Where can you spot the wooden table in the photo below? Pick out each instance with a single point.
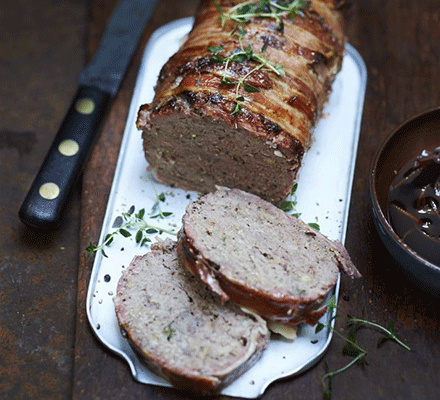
(47, 350)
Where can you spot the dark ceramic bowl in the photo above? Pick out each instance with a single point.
(406, 142)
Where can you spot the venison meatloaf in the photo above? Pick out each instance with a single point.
(250, 252)
(179, 328)
(237, 104)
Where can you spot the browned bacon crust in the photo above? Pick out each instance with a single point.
(190, 134)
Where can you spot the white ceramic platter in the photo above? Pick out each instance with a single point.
(323, 196)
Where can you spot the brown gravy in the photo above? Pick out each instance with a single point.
(414, 205)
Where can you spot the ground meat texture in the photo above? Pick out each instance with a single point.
(252, 253)
(194, 141)
(214, 153)
(178, 327)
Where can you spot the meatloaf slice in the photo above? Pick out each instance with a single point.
(249, 251)
(180, 329)
(243, 123)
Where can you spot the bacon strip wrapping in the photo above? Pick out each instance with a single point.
(192, 137)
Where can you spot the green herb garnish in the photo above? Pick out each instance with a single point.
(275, 9)
(240, 56)
(352, 347)
(168, 332)
(243, 54)
(241, 14)
(130, 220)
(290, 205)
(156, 210)
(314, 225)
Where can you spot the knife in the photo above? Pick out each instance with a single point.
(48, 196)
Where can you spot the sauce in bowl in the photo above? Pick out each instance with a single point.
(414, 205)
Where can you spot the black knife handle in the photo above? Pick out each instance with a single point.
(49, 194)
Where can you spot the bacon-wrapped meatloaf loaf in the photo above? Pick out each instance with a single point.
(236, 105)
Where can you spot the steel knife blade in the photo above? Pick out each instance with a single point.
(48, 196)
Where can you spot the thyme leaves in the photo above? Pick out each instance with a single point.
(241, 14)
(352, 348)
(156, 210)
(386, 333)
(314, 225)
(239, 56)
(275, 9)
(130, 221)
(289, 205)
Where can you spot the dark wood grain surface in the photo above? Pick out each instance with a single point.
(47, 350)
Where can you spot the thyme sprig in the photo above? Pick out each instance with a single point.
(239, 56)
(352, 347)
(156, 209)
(241, 14)
(129, 220)
(275, 9)
(289, 206)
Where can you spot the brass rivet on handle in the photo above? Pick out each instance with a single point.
(85, 106)
(68, 147)
(49, 191)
